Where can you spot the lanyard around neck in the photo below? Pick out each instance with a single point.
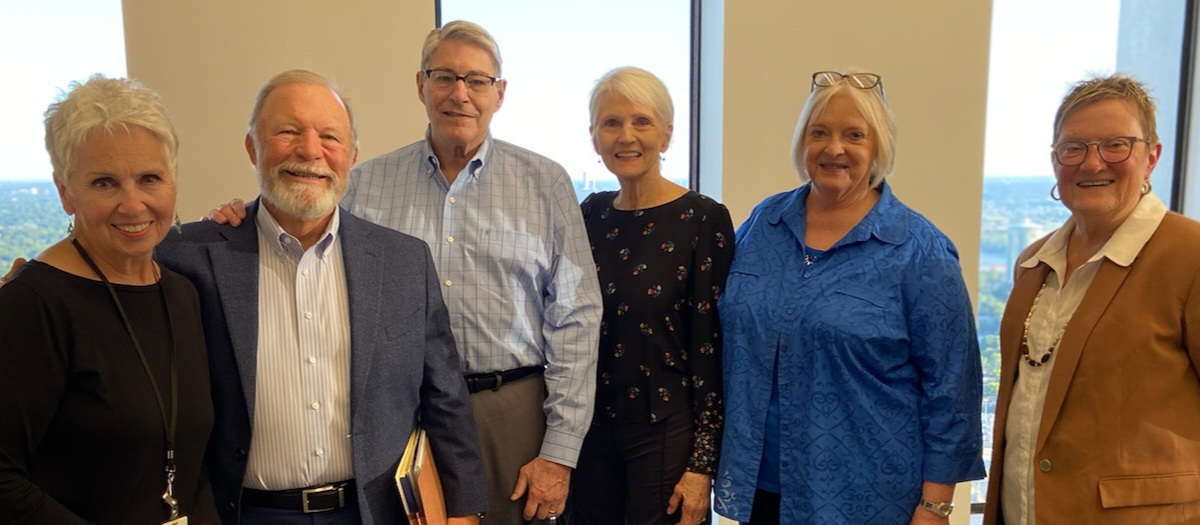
(169, 424)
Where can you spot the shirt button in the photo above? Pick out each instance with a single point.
(308, 315)
(305, 273)
(452, 199)
(312, 360)
(315, 405)
(806, 275)
(450, 239)
(449, 282)
(790, 311)
(1044, 465)
(319, 452)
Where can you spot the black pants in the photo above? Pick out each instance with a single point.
(765, 509)
(627, 472)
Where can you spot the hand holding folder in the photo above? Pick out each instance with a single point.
(419, 484)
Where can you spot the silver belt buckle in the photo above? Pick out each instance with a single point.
(304, 494)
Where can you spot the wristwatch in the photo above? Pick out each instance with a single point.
(942, 510)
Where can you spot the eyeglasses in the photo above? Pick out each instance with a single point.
(858, 80)
(1113, 150)
(444, 80)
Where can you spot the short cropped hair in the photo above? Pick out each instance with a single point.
(462, 31)
(1118, 86)
(638, 86)
(107, 104)
(874, 109)
(300, 76)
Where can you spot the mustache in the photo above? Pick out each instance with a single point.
(304, 169)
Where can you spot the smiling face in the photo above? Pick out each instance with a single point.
(839, 149)
(459, 118)
(122, 194)
(629, 137)
(1099, 190)
(303, 150)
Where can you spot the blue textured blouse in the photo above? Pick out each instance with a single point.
(878, 371)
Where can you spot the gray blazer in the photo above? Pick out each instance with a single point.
(404, 364)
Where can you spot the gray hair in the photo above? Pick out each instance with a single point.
(107, 104)
(638, 86)
(880, 120)
(462, 31)
(300, 76)
(1113, 87)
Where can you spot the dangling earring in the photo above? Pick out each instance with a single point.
(662, 157)
(1146, 186)
(71, 227)
(178, 225)
(1054, 192)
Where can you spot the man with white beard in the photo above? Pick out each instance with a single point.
(327, 335)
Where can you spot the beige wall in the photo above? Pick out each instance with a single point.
(208, 59)
(933, 57)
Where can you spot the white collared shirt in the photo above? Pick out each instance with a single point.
(301, 424)
(1046, 324)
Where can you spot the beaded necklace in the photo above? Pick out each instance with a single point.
(1025, 335)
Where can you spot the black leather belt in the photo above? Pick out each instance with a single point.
(315, 499)
(494, 380)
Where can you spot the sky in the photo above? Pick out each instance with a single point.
(1035, 55)
(1039, 48)
(48, 44)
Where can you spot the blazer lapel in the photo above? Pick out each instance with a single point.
(1100, 293)
(235, 271)
(364, 275)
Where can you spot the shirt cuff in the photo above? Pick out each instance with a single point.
(561, 447)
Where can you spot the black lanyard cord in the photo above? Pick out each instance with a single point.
(168, 424)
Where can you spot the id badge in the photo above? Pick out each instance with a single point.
(182, 520)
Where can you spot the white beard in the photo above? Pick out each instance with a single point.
(301, 201)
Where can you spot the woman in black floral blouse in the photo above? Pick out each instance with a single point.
(662, 254)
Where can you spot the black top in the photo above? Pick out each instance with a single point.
(81, 435)
(661, 271)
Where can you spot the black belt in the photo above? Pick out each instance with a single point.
(493, 380)
(315, 499)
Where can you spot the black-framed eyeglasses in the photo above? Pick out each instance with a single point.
(1112, 150)
(444, 80)
(858, 80)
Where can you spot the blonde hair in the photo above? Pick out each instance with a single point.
(107, 104)
(1118, 86)
(874, 109)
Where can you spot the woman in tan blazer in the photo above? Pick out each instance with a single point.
(1098, 416)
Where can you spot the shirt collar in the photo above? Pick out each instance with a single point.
(1122, 248)
(883, 221)
(474, 168)
(288, 244)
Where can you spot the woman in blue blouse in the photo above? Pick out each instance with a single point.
(662, 255)
(852, 372)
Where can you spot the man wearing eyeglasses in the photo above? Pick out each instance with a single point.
(515, 266)
(516, 269)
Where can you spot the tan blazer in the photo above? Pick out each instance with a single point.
(1119, 438)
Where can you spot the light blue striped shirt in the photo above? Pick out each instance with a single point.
(301, 435)
(517, 273)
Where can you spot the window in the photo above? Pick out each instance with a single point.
(551, 69)
(1038, 50)
(50, 44)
